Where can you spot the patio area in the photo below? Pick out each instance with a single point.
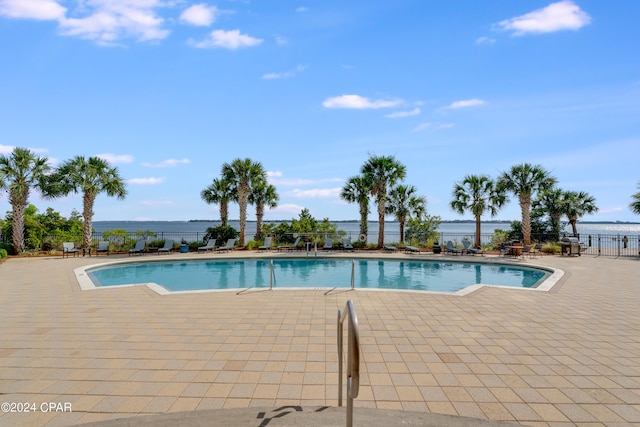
(564, 357)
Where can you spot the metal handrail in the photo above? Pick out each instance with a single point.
(271, 275)
(353, 358)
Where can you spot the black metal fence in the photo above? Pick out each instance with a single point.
(610, 245)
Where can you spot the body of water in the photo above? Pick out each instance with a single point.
(352, 228)
(315, 272)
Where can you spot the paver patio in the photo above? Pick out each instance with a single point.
(570, 356)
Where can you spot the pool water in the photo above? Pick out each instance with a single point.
(317, 273)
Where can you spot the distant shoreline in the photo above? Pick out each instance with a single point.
(463, 221)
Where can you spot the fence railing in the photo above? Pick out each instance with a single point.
(611, 245)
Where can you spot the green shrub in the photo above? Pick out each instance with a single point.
(551, 248)
(221, 233)
(3, 253)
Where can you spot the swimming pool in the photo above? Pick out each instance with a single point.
(417, 275)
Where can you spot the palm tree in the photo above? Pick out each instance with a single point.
(381, 172)
(90, 176)
(524, 180)
(356, 190)
(243, 175)
(262, 194)
(576, 204)
(551, 202)
(220, 191)
(404, 203)
(635, 205)
(477, 194)
(19, 172)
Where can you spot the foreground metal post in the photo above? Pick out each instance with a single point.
(353, 358)
(353, 276)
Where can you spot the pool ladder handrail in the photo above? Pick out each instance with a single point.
(353, 358)
(272, 277)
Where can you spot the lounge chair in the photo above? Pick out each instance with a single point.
(102, 247)
(328, 244)
(267, 244)
(468, 249)
(231, 243)
(347, 244)
(412, 249)
(138, 248)
(168, 247)
(290, 247)
(210, 246)
(69, 248)
(389, 248)
(450, 249)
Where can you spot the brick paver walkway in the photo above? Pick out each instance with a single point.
(565, 357)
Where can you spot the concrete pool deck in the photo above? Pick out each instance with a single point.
(570, 356)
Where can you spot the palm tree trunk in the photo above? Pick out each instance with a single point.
(243, 200)
(87, 214)
(364, 212)
(259, 215)
(17, 225)
(574, 226)
(477, 243)
(525, 206)
(380, 222)
(224, 212)
(402, 232)
(555, 224)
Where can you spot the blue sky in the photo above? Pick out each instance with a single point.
(169, 90)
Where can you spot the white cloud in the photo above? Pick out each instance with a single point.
(107, 21)
(226, 39)
(429, 125)
(315, 193)
(116, 158)
(199, 15)
(611, 210)
(167, 163)
(281, 40)
(275, 178)
(400, 114)
(285, 74)
(288, 209)
(485, 40)
(359, 102)
(6, 149)
(145, 181)
(302, 9)
(157, 202)
(32, 9)
(563, 15)
(466, 103)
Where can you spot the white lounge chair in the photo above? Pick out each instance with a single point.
(328, 243)
(69, 248)
(347, 244)
(468, 249)
(412, 249)
(168, 247)
(450, 249)
(267, 244)
(231, 243)
(102, 247)
(210, 246)
(138, 248)
(290, 247)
